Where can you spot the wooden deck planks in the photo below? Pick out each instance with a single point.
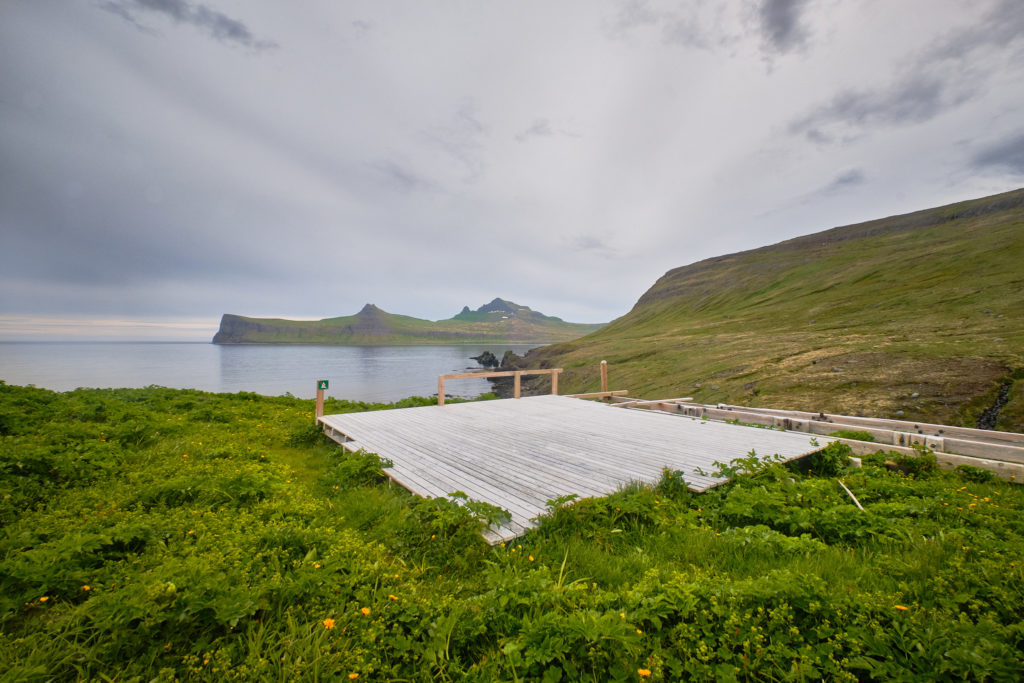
(520, 453)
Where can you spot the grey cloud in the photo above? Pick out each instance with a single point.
(1003, 25)
(780, 24)
(121, 11)
(946, 75)
(461, 140)
(1007, 155)
(540, 128)
(687, 31)
(705, 25)
(844, 180)
(848, 178)
(219, 25)
(683, 28)
(632, 14)
(590, 244)
(915, 99)
(397, 177)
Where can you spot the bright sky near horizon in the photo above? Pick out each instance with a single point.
(166, 161)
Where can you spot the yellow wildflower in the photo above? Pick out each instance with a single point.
(392, 597)
(44, 598)
(365, 611)
(644, 672)
(639, 632)
(328, 624)
(531, 558)
(86, 588)
(901, 608)
(353, 676)
(622, 615)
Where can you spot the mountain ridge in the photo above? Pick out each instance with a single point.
(497, 321)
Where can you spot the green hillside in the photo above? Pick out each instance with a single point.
(921, 313)
(498, 321)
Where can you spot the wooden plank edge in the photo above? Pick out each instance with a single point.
(600, 394)
(656, 402)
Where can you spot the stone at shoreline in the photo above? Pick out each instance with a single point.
(486, 359)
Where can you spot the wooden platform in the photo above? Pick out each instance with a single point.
(520, 453)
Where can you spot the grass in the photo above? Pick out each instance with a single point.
(159, 534)
(922, 314)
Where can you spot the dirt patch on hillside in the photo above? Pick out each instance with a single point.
(888, 385)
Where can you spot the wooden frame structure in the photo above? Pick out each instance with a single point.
(520, 454)
(999, 452)
(517, 384)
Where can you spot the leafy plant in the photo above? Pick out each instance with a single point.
(827, 462)
(852, 434)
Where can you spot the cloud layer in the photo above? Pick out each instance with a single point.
(163, 158)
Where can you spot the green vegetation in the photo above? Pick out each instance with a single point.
(157, 534)
(498, 321)
(918, 316)
(852, 434)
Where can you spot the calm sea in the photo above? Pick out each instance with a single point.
(365, 373)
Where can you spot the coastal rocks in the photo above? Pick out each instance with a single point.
(487, 360)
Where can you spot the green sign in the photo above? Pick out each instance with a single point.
(321, 384)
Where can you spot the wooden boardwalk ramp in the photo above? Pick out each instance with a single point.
(520, 453)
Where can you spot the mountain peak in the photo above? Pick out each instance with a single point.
(369, 309)
(500, 306)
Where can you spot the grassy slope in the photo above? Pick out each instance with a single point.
(854, 319)
(157, 534)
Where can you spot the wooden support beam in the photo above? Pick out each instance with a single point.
(850, 421)
(500, 373)
(601, 394)
(604, 376)
(663, 401)
(516, 374)
(517, 384)
(1004, 459)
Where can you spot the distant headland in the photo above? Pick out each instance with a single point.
(497, 321)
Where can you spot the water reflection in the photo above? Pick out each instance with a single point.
(368, 373)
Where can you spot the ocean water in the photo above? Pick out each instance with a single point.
(365, 373)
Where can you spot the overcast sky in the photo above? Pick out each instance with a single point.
(166, 161)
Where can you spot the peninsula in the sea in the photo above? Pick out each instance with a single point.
(498, 321)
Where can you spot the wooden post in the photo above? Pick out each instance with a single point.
(604, 375)
(554, 383)
(440, 390)
(320, 398)
(516, 385)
